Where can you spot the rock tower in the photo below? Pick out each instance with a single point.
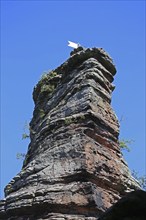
(73, 167)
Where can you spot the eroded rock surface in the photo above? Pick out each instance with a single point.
(73, 168)
(131, 207)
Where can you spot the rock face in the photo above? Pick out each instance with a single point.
(130, 207)
(73, 168)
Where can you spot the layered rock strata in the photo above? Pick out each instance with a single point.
(73, 168)
(130, 207)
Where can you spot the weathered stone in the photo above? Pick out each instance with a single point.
(73, 168)
(130, 207)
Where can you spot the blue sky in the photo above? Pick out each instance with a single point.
(34, 37)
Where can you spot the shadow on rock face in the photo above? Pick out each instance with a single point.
(130, 207)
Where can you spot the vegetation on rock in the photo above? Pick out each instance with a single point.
(141, 179)
(46, 85)
(124, 144)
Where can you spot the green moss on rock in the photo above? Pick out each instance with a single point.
(45, 86)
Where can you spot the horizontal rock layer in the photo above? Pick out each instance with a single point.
(73, 168)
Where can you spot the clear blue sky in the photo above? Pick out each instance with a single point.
(34, 37)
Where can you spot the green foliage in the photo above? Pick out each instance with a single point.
(68, 121)
(52, 74)
(74, 120)
(41, 113)
(124, 144)
(44, 76)
(47, 75)
(9, 188)
(26, 129)
(20, 156)
(82, 117)
(47, 88)
(141, 179)
(24, 136)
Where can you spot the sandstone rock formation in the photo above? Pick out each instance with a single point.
(73, 168)
(131, 207)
